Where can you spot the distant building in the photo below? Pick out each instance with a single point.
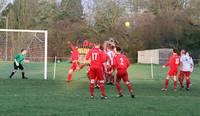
(155, 56)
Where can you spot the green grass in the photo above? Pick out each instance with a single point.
(36, 96)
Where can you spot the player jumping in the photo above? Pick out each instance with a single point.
(121, 63)
(96, 69)
(75, 66)
(173, 62)
(18, 63)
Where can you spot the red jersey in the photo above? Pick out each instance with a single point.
(96, 57)
(75, 53)
(120, 62)
(174, 61)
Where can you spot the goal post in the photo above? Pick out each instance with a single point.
(45, 32)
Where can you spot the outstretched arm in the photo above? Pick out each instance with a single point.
(26, 61)
(71, 45)
(168, 62)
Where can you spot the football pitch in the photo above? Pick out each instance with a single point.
(38, 97)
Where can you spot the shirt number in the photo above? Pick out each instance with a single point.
(94, 56)
(177, 61)
(121, 61)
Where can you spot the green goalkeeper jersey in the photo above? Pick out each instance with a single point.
(20, 58)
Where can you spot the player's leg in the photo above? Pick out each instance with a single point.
(77, 66)
(175, 82)
(107, 78)
(128, 84)
(107, 75)
(118, 86)
(92, 76)
(111, 76)
(175, 71)
(97, 83)
(165, 88)
(100, 77)
(188, 80)
(69, 77)
(14, 71)
(181, 78)
(23, 73)
(87, 73)
(73, 68)
(92, 81)
(112, 79)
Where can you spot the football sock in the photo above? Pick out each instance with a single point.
(175, 83)
(181, 81)
(129, 88)
(119, 88)
(23, 75)
(102, 88)
(107, 78)
(92, 89)
(12, 74)
(166, 83)
(188, 83)
(112, 79)
(69, 77)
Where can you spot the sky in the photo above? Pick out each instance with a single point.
(88, 11)
(4, 3)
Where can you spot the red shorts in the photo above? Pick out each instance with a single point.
(184, 73)
(122, 74)
(96, 72)
(172, 72)
(74, 66)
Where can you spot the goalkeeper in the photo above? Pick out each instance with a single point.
(18, 63)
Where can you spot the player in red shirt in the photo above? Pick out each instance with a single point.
(96, 57)
(121, 63)
(173, 63)
(75, 66)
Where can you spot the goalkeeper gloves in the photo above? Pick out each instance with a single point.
(16, 62)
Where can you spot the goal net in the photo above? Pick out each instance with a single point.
(34, 41)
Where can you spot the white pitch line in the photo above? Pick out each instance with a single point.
(112, 96)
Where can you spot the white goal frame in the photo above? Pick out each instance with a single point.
(45, 32)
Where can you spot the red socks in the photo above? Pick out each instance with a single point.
(129, 88)
(102, 89)
(175, 83)
(112, 79)
(107, 78)
(119, 88)
(92, 89)
(188, 83)
(166, 83)
(69, 78)
(181, 81)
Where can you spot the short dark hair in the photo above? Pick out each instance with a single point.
(101, 47)
(118, 49)
(23, 50)
(97, 42)
(175, 50)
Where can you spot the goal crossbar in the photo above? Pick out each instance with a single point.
(22, 30)
(34, 31)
